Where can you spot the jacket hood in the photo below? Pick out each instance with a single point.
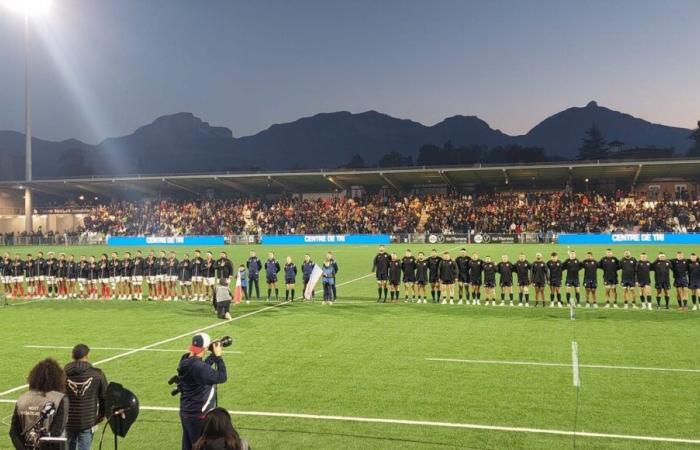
(74, 368)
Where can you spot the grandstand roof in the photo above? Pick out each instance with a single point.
(525, 176)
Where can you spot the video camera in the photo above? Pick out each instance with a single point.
(38, 437)
(225, 341)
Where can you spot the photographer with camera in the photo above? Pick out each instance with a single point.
(222, 300)
(43, 410)
(196, 381)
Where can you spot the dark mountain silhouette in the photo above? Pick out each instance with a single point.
(184, 143)
(561, 133)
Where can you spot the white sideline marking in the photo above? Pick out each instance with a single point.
(189, 333)
(427, 423)
(574, 363)
(535, 363)
(65, 347)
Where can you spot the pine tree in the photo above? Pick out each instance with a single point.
(593, 145)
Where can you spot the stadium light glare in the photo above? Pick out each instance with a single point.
(29, 7)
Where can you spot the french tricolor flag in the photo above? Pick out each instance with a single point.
(238, 291)
(313, 280)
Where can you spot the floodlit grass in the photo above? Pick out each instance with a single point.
(359, 359)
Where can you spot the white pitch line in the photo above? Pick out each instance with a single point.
(189, 333)
(65, 347)
(427, 423)
(574, 364)
(471, 426)
(535, 363)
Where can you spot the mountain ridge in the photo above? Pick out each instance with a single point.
(183, 142)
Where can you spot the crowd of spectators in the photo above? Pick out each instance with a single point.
(538, 212)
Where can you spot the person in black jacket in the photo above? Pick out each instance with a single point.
(408, 268)
(610, 265)
(590, 279)
(421, 277)
(643, 277)
(86, 387)
(522, 268)
(662, 279)
(539, 278)
(679, 267)
(448, 275)
(433, 270)
(694, 279)
(394, 277)
(197, 380)
(380, 267)
(555, 271)
(628, 270)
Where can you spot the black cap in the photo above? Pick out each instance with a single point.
(80, 351)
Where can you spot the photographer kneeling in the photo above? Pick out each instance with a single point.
(222, 300)
(197, 380)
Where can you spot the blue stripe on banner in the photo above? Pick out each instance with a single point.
(311, 239)
(630, 238)
(165, 240)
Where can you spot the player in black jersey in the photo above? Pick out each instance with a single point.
(408, 268)
(505, 270)
(475, 275)
(539, 277)
(489, 268)
(643, 276)
(394, 277)
(434, 275)
(380, 267)
(462, 262)
(694, 279)
(522, 268)
(572, 267)
(555, 271)
(610, 265)
(662, 279)
(421, 277)
(680, 280)
(448, 275)
(590, 279)
(628, 270)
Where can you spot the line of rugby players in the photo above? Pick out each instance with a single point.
(475, 278)
(167, 278)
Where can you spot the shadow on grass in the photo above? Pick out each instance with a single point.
(323, 433)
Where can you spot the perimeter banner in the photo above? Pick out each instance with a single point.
(630, 238)
(311, 239)
(164, 240)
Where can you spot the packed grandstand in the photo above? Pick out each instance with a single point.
(537, 212)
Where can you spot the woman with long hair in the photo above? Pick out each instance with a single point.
(219, 434)
(43, 410)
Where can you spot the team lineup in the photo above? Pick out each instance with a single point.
(166, 277)
(473, 277)
(466, 279)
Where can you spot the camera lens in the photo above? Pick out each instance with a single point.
(226, 341)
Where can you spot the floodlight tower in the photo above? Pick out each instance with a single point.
(29, 8)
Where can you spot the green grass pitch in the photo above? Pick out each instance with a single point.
(362, 375)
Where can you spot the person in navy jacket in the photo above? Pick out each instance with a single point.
(254, 267)
(290, 278)
(272, 268)
(197, 380)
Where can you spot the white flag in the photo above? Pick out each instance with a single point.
(316, 275)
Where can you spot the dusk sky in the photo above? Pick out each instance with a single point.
(103, 68)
